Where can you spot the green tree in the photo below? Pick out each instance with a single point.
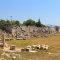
(29, 22)
(16, 23)
(38, 24)
(2, 21)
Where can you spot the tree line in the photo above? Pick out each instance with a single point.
(31, 22)
(7, 25)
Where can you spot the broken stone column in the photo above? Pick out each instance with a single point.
(3, 40)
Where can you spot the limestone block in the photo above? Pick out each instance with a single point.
(45, 47)
(38, 46)
(13, 47)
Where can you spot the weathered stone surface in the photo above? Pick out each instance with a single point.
(28, 49)
(22, 49)
(34, 46)
(33, 31)
(45, 47)
(38, 46)
(12, 47)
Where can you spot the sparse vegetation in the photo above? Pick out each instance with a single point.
(53, 53)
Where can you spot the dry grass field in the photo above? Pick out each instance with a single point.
(53, 53)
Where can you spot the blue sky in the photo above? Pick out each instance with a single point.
(47, 10)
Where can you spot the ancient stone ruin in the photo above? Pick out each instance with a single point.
(32, 31)
(34, 47)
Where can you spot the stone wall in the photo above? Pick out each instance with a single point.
(32, 31)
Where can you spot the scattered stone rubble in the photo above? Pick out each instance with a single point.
(34, 47)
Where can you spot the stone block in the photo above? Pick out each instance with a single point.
(38, 46)
(34, 46)
(13, 47)
(28, 49)
(22, 49)
(45, 47)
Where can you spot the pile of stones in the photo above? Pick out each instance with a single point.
(34, 47)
